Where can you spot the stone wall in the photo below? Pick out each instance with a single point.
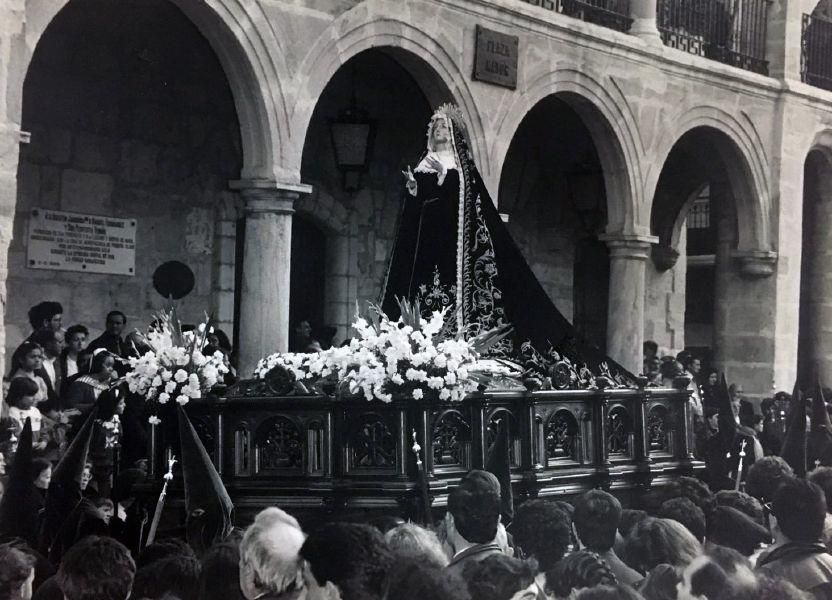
(133, 125)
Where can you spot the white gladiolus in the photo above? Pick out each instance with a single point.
(388, 359)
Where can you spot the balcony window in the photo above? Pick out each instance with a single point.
(729, 31)
(613, 14)
(816, 51)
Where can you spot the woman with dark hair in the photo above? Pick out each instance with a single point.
(84, 391)
(710, 383)
(106, 439)
(70, 365)
(26, 361)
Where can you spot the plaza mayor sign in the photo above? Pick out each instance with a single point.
(66, 241)
(495, 58)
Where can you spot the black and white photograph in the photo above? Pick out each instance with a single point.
(416, 299)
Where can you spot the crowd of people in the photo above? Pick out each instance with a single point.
(689, 544)
(74, 520)
(58, 375)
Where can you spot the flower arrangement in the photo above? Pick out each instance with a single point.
(171, 365)
(410, 357)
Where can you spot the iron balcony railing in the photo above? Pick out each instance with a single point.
(816, 52)
(729, 31)
(613, 14)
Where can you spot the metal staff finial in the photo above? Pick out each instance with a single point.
(169, 475)
(416, 448)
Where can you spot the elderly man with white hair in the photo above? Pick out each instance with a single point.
(270, 565)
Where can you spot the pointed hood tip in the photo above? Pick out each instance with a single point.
(71, 465)
(820, 415)
(794, 444)
(204, 489)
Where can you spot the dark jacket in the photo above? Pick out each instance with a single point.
(80, 395)
(65, 380)
(52, 397)
(806, 566)
(111, 343)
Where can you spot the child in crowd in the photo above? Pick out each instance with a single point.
(84, 391)
(21, 401)
(27, 360)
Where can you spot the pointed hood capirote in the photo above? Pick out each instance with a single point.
(794, 444)
(820, 416)
(207, 503)
(19, 508)
(819, 444)
(64, 492)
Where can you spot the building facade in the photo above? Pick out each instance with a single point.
(664, 165)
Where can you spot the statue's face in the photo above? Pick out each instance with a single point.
(441, 133)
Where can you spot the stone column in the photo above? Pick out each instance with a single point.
(10, 137)
(783, 38)
(267, 259)
(643, 13)
(726, 237)
(816, 299)
(625, 320)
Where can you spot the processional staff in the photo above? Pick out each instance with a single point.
(423, 482)
(739, 466)
(160, 504)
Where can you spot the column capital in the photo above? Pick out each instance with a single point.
(755, 264)
(269, 196)
(631, 246)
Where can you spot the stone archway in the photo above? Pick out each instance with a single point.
(612, 170)
(741, 153)
(435, 66)
(712, 261)
(390, 84)
(614, 133)
(244, 42)
(131, 115)
(553, 190)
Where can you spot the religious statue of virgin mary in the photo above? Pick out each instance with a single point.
(453, 251)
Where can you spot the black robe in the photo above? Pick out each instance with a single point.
(452, 249)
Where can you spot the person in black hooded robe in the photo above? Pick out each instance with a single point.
(453, 251)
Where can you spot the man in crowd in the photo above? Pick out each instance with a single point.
(692, 366)
(52, 342)
(596, 519)
(473, 516)
(798, 554)
(96, 568)
(46, 315)
(111, 339)
(346, 561)
(270, 565)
